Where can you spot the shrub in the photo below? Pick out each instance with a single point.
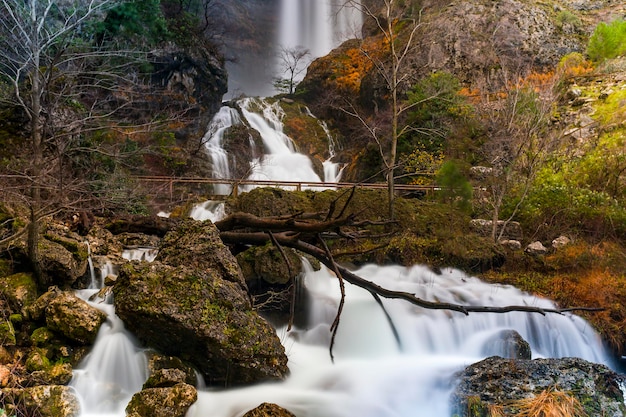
(607, 41)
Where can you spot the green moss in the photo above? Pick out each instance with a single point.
(7, 334)
(78, 249)
(41, 336)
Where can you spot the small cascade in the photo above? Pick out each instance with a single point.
(374, 376)
(116, 367)
(213, 140)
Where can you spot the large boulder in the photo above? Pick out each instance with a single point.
(497, 382)
(42, 401)
(196, 307)
(74, 318)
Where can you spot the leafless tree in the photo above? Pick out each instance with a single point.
(50, 75)
(516, 115)
(293, 63)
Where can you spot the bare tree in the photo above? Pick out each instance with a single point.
(50, 74)
(293, 63)
(516, 116)
(399, 35)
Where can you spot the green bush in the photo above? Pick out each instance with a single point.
(607, 41)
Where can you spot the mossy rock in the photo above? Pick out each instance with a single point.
(37, 360)
(20, 290)
(42, 401)
(42, 336)
(162, 402)
(77, 248)
(7, 334)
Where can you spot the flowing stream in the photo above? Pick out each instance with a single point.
(373, 375)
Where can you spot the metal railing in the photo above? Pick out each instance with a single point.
(234, 184)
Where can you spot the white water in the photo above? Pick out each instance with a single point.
(372, 375)
(116, 368)
(317, 25)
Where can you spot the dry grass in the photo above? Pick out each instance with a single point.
(550, 403)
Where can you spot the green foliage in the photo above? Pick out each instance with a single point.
(456, 189)
(433, 101)
(131, 21)
(567, 20)
(607, 41)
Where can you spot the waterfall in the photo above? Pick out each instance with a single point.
(372, 375)
(317, 25)
(116, 368)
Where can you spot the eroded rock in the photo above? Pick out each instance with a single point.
(162, 402)
(74, 318)
(268, 410)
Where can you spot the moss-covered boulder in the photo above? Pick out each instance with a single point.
(74, 318)
(61, 266)
(42, 401)
(20, 290)
(192, 303)
(57, 374)
(162, 402)
(267, 264)
(502, 383)
(200, 317)
(197, 245)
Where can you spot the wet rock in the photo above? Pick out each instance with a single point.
(536, 248)
(267, 264)
(268, 410)
(507, 344)
(74, 318)
(499, 382)
(42, 401)
(167, 371)
(162, 402)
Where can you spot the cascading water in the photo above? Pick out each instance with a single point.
(373, 375)
(318, 26)
(116, 367)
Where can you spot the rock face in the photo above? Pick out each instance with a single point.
(74, 318)
(192, 303)
(500, 382)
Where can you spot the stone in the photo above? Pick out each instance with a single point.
(560, 242)
(483, 227)
(20, 290)
(507, 344)
(162, 371)
(511, 244)
(192, 303)
(268, 410)
(536, 248)
(58, 374)
(37, 310)
(42, 401)
(162, 402)
(74, 318)
(497, 381)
